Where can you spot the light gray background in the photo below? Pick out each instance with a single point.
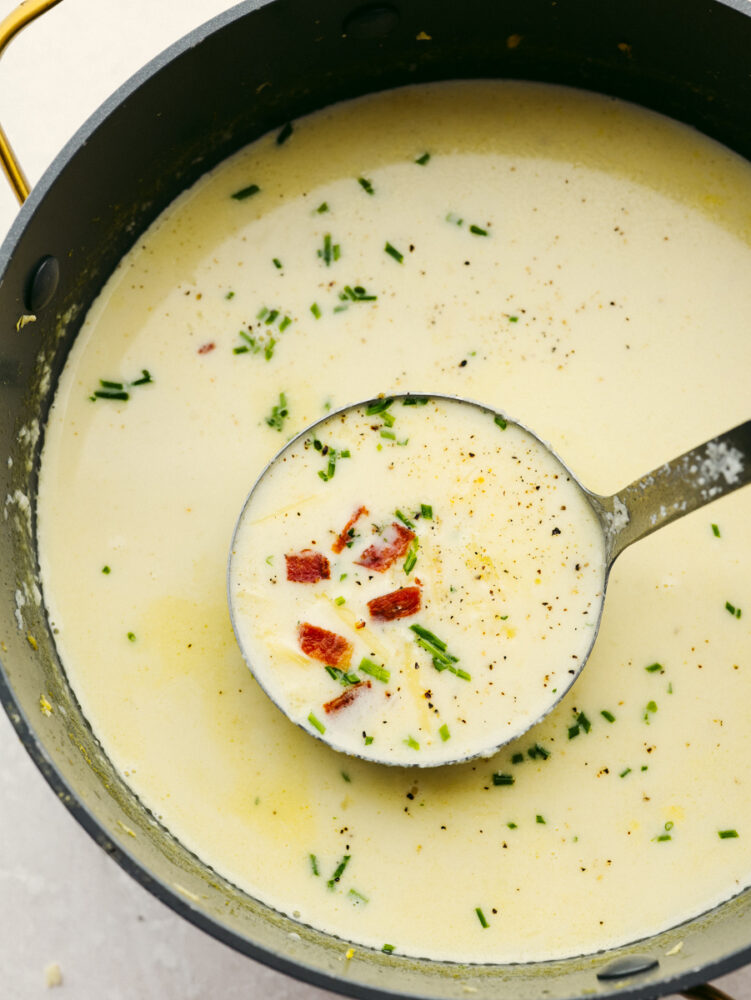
(61, 898)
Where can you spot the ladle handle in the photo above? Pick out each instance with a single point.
(706, 473)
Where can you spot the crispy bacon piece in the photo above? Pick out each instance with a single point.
(307, 566)
(344, 533)
(384, 552)
(328, 647)
(398, 604)
(205, 348)
(345, 698)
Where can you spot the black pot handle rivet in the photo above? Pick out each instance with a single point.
(631, 965)
(42, 284)
(371, 21)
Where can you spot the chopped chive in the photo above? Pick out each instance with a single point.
(271, 316)
(338, 871)
(388, 418)
(106, 570)
(323, 207)
(573, 731)
(368, 740)
(316, 723)
(344, 678)
(669, 825)
(540, 819)
(670, 687)
(503, 779)
(345, 776)
(261, 312)
(460, 673)
(110, 394)
(393, 252)
(644, 767)
(444, 732)
(314, 864)
(651, 706)
(411, 559)
(654, 667)
(279, 413)
(316, 310)
(378, 405)
(389, 435)
(366, 185)
(404, 519)
(345, 454)
(286, 321)
(452, 217)
(246, 192)
(481, 917)
(583, 721)
(357, 897)
(427, 511)
(727, 834)
(106, 384)
(478, 231)
(513, 319)
(662, 837)
(429, 637)
(607, 715)
(500, 421)
(512, 825)
(240, 350)
(330, 251)
(229, 295)
(131, 636)
(422, 160)
(411, 742)
(339, 601)
(518, 758)
(736, 612)
(285, 133)
(536, 751)
(415, 401)
(624, 773)
(715, 530)
(268, 351)
(388, 948)
(374, 670)
(277, 263)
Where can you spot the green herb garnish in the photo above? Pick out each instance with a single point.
(422, 160)
(366, 185)
(500, 421)
(314, 864)
(410, 560)
(404, 519)
(277, 263)
(315, 309)
(654, 667)
(607, 715)
(374, 670)
(378, 406)
(285, 133)
(540, 819)
(330, 252)
(481, 917)
(338, 871)
(388, 948)
(131, 636)
(624, 773)
(279, 413)
(444, 732)
(106, 570)
(727, 834)
(503, 779)
(537, 752)
(478, 231)
(316, 723)
(411, 742)
(716, 530)
(323, 207)
(427, 511)
(342, 676)
(246, 192)
(357, 897)
(393, 252)
(735, 612)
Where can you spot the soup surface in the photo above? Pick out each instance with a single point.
(570, 260)
(453, 626)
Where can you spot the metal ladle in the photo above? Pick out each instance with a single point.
(697, 477)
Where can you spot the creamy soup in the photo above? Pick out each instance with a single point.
(454, 625)
(567, 259)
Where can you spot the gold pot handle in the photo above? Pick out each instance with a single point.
(10, 27)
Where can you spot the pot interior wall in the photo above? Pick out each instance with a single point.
(253, 69)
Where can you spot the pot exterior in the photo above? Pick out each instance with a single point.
(218, 89)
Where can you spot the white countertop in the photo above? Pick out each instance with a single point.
(62, 900)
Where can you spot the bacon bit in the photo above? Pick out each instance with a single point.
(307, 566)
(360, 624)
(344, 533)
(328, 647)
(391, 546)
(398, 604)
(345, 698)
(205, 348)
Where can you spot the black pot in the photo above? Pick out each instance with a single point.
(247, 71)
